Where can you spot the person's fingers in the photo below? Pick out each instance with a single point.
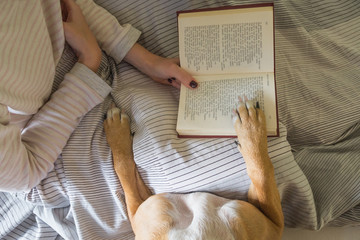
(68, 3)
(177, 85)
(73, 10)
(66, 8)
(71, 36)
(183, 76)
(170, 81)
(176, 60)
(64, 12)
(68, 30)
(173, 82)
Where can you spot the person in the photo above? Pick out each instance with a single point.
(34, 125)
(201, 215)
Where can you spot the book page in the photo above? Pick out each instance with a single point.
(207, 110)
(227, 41)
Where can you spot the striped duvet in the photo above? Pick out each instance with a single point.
(316, 157)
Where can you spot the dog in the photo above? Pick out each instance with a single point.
(201, 215)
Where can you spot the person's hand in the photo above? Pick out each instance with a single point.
(168, 71)
(250, 126)
(162, 70)
(79, 35)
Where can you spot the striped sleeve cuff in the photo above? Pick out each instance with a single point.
(128, 38)
(91, 79)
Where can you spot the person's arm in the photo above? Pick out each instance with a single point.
(251, 130)
(119, 41)
(115, 39)
(27, 156)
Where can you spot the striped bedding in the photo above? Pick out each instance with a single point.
(316, 157)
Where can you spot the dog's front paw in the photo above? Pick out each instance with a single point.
(250, 126)
(117, 130)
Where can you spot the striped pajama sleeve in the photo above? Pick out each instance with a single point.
(115, 39)
(46, 134)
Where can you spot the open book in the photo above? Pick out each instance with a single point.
(230, 52)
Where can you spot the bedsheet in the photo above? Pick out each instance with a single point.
(316, 157)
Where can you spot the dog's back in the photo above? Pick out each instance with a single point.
(200, 216)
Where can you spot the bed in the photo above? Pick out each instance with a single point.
(316, 157)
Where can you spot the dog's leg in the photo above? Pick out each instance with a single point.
(118, 136)
(251, 130)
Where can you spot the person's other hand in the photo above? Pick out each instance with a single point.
(79, 35)
(168, 71)
(162, 70)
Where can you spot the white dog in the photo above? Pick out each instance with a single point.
(201, 215)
